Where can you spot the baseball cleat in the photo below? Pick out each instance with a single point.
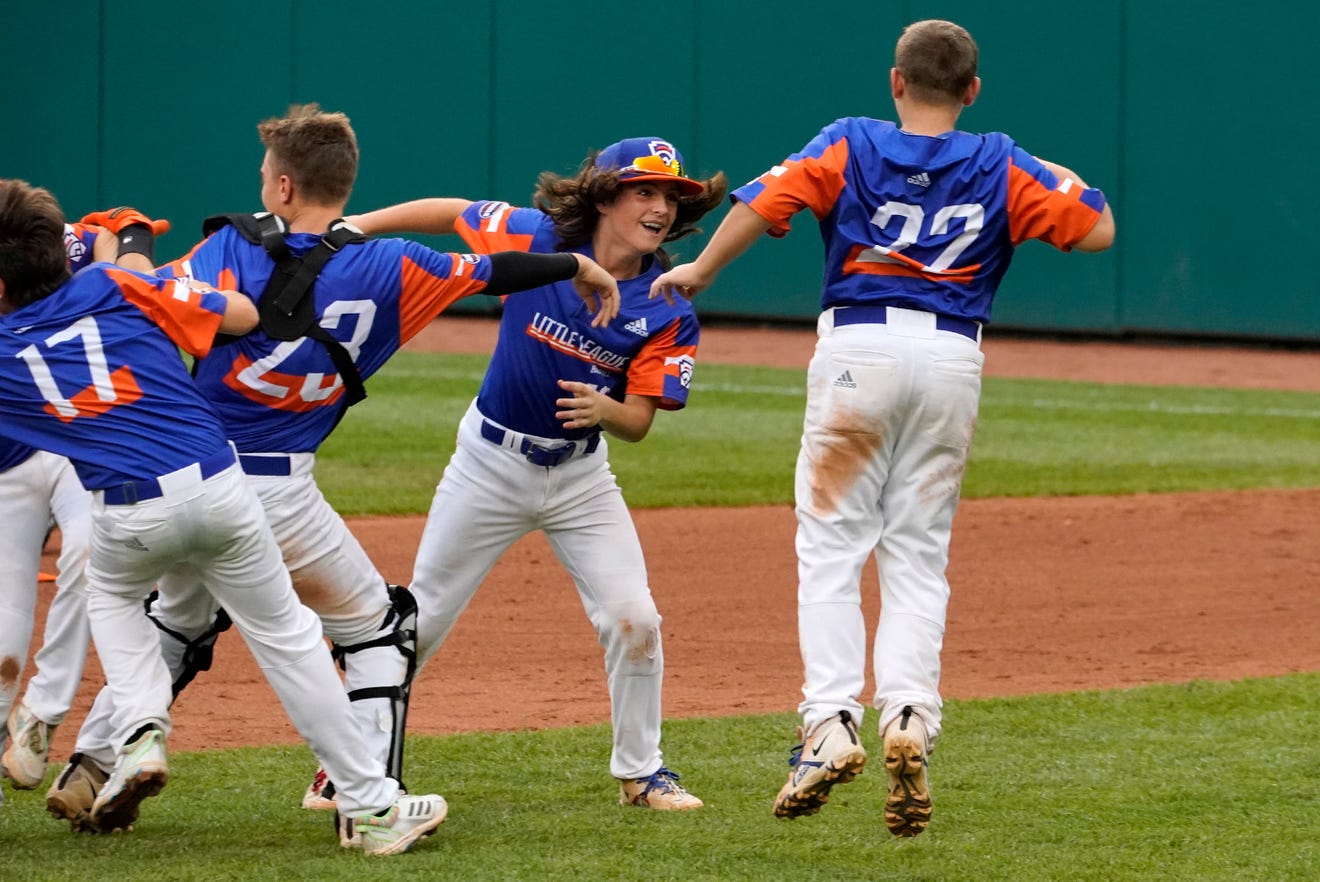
(72, 795)
(140, 772)
(908, 805)
(660, 790)
(320, 795)
(24, 760)
(832, 755)
(396, 829)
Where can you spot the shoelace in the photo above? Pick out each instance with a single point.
(663, 779)
(795, 752)
(34, 733)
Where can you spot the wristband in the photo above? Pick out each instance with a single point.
(138, 239)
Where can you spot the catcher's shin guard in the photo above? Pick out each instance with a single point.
(187, 658)
(400, 631)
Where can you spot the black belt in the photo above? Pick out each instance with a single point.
(131, 492)
(535, 453)
(878, 315)
(266, 466)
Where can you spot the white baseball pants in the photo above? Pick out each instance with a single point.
(891, 411)
(489, 497)
(331, 574)
(218, 526)
(42, 486)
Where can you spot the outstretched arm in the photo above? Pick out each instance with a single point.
(736, 233)
(435, 215)
(513, 271)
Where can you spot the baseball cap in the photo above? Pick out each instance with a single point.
(647, 159)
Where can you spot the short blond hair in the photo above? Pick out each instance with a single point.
(316, 149)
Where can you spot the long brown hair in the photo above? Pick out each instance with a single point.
(571, 203)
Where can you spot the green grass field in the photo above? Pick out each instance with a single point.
(736, 443)
(1200, 781)
(1203, 781)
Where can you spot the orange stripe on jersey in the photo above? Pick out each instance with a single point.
(658, 359)
(891, 263)
(809, 182)
(174, 307)
(425, 295)
(90, 403)
(295, 391)
(556, 343)
(493, 234)
(1056, 216)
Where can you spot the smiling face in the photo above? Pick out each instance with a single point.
(636, 222)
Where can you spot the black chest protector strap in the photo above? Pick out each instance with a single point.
(286, 306)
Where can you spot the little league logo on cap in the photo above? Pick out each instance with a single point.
(647, 159)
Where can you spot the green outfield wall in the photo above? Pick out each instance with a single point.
(1183, 112)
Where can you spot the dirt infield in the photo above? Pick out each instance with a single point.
(1048, 594)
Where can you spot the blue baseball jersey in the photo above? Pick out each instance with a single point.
(93, 373)
(546, 335)
(917, 221)
(78, 242)
(286, 396)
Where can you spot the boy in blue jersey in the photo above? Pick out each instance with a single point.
(37, 489)
(90, 369)
(919, 222)
(531, 451)
(279, 396)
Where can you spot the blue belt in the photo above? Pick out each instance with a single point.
(535, 453)
(877, 315)
(132, 492)
(266, 466)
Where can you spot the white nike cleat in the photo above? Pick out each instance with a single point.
(832, 755)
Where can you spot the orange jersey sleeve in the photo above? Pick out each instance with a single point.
(812, 182)
(189, 315)
(1057, 215)
(661, 364)
(486, 227)
(429, 287)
